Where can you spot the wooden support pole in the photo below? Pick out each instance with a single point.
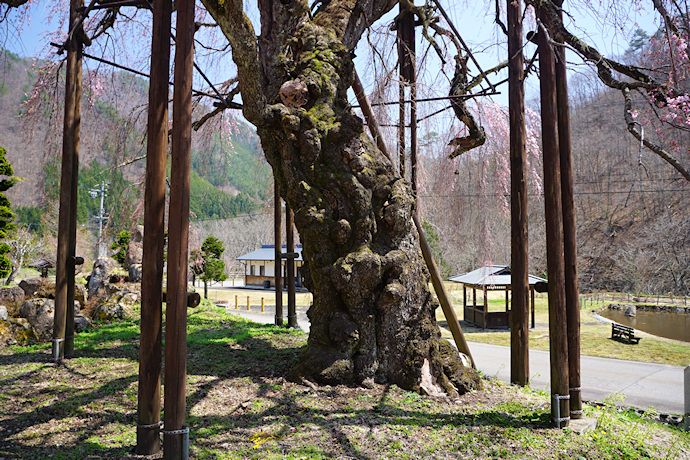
(369, 115)
(193, 298)
(464, 301)
(262, 304)
(554, 233)
(569, 231)
(532, 304)
(150, 346)
(290, 263)
(176, 434)
(405, 39)
(442, 295)
(76, 129)
(278, 240)
(411, 76)
(236, 303)
(486, 306)
(519, 317)
(436, 279)
(248, 307)
(63, 320)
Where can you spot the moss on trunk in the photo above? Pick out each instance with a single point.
(373, 315)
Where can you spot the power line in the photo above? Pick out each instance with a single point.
(241, 216)
(609, 192)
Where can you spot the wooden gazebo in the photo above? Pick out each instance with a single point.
(490, 278)
(43, 265)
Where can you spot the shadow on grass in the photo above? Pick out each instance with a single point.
(89, 411)
(294, 417)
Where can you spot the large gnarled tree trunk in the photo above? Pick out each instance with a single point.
(373, 318)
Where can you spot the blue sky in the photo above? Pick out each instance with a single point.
(473, 19)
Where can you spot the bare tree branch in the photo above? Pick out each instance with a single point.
(635, 130)
(238, 29)
(658, 90)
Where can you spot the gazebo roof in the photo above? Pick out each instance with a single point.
(491, 275)
(42, 263)
(267, 253)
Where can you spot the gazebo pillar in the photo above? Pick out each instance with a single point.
(486, 306)
(532, 303)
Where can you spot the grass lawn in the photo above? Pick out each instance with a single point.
(595, 336)
(240, 407)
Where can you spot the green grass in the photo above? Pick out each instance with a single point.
(240, 407)
(595, 336)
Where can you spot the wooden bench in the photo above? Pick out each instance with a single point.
(623, 333)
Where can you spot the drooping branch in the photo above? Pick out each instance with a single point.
(476, 136)
(459, 86)
(660, 92)
(605, 67)
(238, 29)
(635, 130)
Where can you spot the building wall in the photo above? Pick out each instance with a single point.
(258, 271)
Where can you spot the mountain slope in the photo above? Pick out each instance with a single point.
(232, 174)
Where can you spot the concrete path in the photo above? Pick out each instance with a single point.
(644, 385)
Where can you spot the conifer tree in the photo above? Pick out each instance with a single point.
(7, 180)
(214, 267)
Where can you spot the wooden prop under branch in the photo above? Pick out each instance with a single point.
(436, 279)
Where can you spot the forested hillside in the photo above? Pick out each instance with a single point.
(633, 209)
(230, 176)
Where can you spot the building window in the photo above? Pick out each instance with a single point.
(261, 270)
(251, 269)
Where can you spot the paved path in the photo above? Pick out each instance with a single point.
(644, 385)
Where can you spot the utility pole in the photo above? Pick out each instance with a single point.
(101, 217)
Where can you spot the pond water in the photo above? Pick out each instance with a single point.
(664, 324)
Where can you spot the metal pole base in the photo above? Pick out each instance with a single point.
(148, 439)
(176, 444)
(561, 422)
(58, 350)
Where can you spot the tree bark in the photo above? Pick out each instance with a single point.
(373, 317)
